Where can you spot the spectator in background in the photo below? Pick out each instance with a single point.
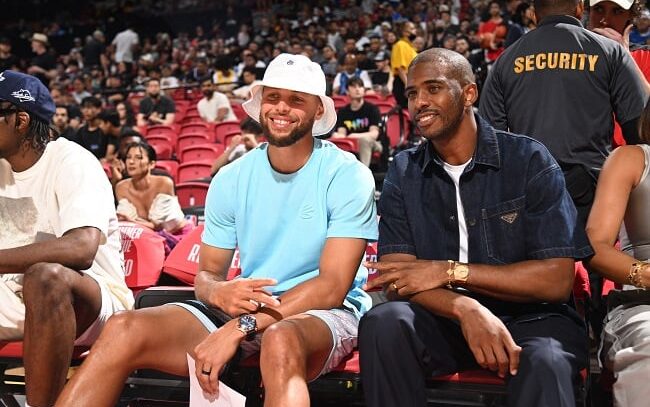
(613, 20)
(61, 122)
(94, 50)
(522, 21)
(382, 78)
(224, 77)
(148, 199)
(156, 108)
(109, 123)
(125, 44)
(249, 77)
(167, 79)
(214, 107)
(640, 34)
(350, 70)
(251, 136)
(7, 59)
(79, 92)
(359, 120)
(492, 33)
(90, 135)
(127, 118)
(401, 56)
(43, 63)
(621, 211)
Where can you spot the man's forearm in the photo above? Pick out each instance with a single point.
(76, 252)
(445, 303)
(316, 293)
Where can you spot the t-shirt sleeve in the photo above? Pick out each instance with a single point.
(628, 95)
(351, 203)
(83, 193)
(220, 230)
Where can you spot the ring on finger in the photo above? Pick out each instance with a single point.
(206, 372)
(394, 286)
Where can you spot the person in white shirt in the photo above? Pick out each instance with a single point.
(215, 106)
(125, 42)
(61, 270)
(249, 76)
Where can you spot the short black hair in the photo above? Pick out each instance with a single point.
(111, 116)
(355, 80)
(91, 100)
(249, 125)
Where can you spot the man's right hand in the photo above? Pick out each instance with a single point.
(242, 295)
(490, 341)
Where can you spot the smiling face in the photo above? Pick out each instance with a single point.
(287, 116)
(437, 101)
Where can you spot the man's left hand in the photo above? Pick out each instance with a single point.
(213, 353)
(409, 277)
(612, 34)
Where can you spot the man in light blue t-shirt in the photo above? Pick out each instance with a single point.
(301, 212)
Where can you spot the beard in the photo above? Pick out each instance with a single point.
(208, 93)
(450, 123)
(285, 141)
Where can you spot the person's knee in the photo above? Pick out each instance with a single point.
(122, 331)
(545, 358)
(384, 325)
(282, 346)
(43, 281)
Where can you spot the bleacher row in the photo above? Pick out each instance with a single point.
(146, 265)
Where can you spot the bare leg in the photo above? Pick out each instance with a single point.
(60, 304)
(156, 338)
(293, 351)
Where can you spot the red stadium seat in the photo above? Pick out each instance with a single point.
(239, 111)
(169, 166)
(190, 139)
(346, 144)
(223, 128)
(194, 128)
(384, 107)
(398, 127)
(191, 193)
(162, 146)
(193, 171)
(201, 152)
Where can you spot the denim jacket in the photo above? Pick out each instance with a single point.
(514, 197)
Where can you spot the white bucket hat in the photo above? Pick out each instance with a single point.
(300, 74)
(624, 4)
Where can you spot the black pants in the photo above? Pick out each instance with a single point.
(402, 343)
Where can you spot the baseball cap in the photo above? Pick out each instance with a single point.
(624, 4)
(40, 37)
(381, 56)
(300, 74)
(27, 93)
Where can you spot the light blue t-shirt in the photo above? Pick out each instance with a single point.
(281, 221)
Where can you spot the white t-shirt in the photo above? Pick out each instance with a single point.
(455, 171)
(208, 108)
(124, 42)
(66, 189)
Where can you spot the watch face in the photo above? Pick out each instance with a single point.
(248, 323)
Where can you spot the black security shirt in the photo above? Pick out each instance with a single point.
(560, 84)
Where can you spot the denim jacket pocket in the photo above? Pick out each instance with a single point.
(503, 230)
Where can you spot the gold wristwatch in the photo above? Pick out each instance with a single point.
(458, 273)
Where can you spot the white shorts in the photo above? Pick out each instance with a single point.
(343, 325)
(12, 313)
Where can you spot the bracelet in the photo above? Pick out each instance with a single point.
(634, 277)
(450, 273)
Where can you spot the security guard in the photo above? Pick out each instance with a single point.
(561, 84)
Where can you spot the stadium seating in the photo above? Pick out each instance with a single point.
(191, 193)
(169, 166)
(201, 152)
(223, 128)
(190, 139)
(162, 146)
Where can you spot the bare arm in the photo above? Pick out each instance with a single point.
(224, 158)
(76, 249)
(169, 119)
(620, 175)
(221, 114)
